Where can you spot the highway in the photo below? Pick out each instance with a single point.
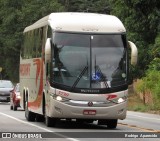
(137, 126)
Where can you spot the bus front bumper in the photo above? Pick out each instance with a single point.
(61, 110)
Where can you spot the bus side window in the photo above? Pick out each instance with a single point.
(31, 52)
(27, 45)
(38, 44)
(23, 45)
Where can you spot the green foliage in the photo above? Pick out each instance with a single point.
(141, 19)
(137, 104)
(95, 6)
(14, 17)
(142, 108)
(156, 48)
(151, 82)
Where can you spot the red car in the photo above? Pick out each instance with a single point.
(15, 98)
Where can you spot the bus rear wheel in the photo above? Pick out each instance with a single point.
(111, 123)
(39, 118)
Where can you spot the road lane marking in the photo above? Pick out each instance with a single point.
(139, 128)
(144, 117)
(47, 130)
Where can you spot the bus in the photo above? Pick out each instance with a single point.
(75, 66)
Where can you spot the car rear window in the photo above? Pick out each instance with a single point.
(6, 84)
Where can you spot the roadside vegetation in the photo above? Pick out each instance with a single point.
(135, 103)
(146, 96)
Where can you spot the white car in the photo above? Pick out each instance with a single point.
(5, 87)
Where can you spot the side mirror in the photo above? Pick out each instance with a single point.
(48, 50)
(134, 53)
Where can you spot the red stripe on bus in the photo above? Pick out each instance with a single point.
(36, 104)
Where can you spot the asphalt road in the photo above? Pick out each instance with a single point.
(135, 125)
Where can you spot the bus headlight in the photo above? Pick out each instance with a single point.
(62, 99)
(59, 98)
(119, 100)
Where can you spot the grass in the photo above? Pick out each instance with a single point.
(136, 104)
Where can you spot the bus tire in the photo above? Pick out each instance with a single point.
(30, 116)
(39, 118)
(50, 122)
(111, 123)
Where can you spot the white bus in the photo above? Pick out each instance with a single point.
(76, 66)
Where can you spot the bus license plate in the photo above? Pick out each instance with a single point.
(89, 112)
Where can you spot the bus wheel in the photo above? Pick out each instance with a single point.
(50, 122)
(39, 118)
(30, 116)
(111, 123)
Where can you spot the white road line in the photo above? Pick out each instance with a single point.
(47, 130)
(144, 117)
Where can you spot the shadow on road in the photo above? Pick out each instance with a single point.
(62, 124)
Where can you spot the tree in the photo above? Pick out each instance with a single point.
(10, 36)
(95, 6)
(14, 17)
(141, 19)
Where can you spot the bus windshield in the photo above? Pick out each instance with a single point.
(89, 61)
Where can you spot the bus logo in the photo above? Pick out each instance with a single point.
(90, 104)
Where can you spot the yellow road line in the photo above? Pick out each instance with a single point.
(139, 128)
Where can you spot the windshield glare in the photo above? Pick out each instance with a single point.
(89, 61)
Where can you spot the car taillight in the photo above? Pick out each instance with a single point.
(18, 97)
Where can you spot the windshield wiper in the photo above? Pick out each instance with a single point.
(79, 77)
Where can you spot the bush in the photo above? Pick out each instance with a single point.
(151, 82)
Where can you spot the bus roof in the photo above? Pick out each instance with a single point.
(80, 22)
